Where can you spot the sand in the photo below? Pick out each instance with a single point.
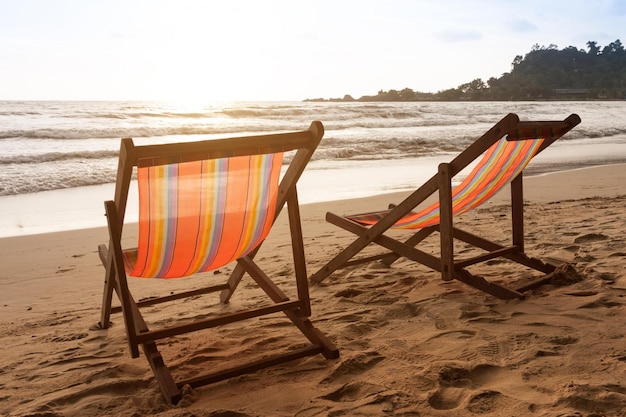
(411, 344)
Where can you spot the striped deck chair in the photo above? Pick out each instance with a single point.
(502, 154)
(203, 205)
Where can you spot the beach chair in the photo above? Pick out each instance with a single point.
(506, 149)
(203, 205)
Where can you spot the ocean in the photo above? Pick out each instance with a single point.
(59, 159)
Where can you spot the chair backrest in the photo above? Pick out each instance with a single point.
(505, 154)
(504, 161)
(204, 204)
(198, 216)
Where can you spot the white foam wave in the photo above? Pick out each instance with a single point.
(50, 145)
(56, 156)
(14, 179)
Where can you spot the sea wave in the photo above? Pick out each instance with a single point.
(56, 156)
(75, 133)
(50, 145)
(386, 148)
(330, 149)
(144, 131)
(14, 179)
(141, 115)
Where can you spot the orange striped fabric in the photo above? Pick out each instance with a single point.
(500, 164)
(199, 216)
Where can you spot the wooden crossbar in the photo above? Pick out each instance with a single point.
(221, 148)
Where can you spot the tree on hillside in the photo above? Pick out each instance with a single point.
(550, 73)
(544, 73)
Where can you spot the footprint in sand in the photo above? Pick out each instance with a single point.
(351, 366)
(440, 322)
(348, 293)
(485, 402)
(69, 337)
(602, 302)
(446, 398)
(591, 237)
(459, 386)
(609, 398)
(352, 391)
(402, 311)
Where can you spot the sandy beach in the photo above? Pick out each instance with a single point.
(410, 344)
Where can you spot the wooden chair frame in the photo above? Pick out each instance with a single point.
(298, 310)
(441, 183)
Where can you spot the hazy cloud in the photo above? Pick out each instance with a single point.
(523, 26)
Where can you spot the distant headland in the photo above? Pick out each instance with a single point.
(544, 73)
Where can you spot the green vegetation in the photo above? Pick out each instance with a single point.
(545, 73)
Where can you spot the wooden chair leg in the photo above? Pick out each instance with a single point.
(517, 212)
(299, 261)
(169, 389)
(109, 282)
(482, 284)
(445, 223)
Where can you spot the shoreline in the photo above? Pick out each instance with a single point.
(82, 207)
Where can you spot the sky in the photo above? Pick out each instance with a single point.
(250, 50)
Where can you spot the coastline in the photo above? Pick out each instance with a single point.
(401, 331)
(49, 174)
(82, 207)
